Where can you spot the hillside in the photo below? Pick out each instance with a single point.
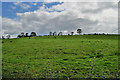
(79, 56)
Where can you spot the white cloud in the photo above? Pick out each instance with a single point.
(0, 26)
(17, 3)
(10, 26)
(13, 7)
(22, 5)
(80, 0)
(25, 6)
(90, 17)
(33, 3)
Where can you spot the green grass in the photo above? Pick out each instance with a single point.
(80, 56)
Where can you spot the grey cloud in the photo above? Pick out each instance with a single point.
(102, 6)
(10, 26)
(44, 24)
(69, 20)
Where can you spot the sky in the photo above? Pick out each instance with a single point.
(67, 17)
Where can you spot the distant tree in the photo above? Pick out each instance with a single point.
(22, 34)
(33, 34)
(50, 34)
(19, 36)
(79, 31)
(60, 34)
(54, 34)
(26, 35)
(3, 37)
(72, 33)
(96, 34)
(103, 33)
(8, 36)
(29, 36)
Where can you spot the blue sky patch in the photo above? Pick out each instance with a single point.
(9, 9)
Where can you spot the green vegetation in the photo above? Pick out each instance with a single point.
(79, 56)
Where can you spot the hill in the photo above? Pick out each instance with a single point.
(79, 56)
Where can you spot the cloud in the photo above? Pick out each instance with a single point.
(22, 5)
(0, 26)
(17, 3)
(13, 7)
(33, 3)
(98, 7)
(25, 6)
(80, 0)
(66, 17)
(10, 26)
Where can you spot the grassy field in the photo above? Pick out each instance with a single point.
(79, 56)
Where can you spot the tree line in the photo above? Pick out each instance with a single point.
(32, 34)
(60, 33)
(27, 34)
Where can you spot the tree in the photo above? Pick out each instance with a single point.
(33, 34)
(79, 31)
(50, 34)
(22, 34)
(8, 36)
(72, 33)
(19, 36)
(60, 34)
(29, 36)
(54, 34)
(3, 37)
(26, 35)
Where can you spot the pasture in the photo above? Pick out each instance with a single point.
(78, 56)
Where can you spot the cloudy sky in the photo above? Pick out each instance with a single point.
(43, 17)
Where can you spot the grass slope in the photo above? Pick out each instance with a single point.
(80, 56)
